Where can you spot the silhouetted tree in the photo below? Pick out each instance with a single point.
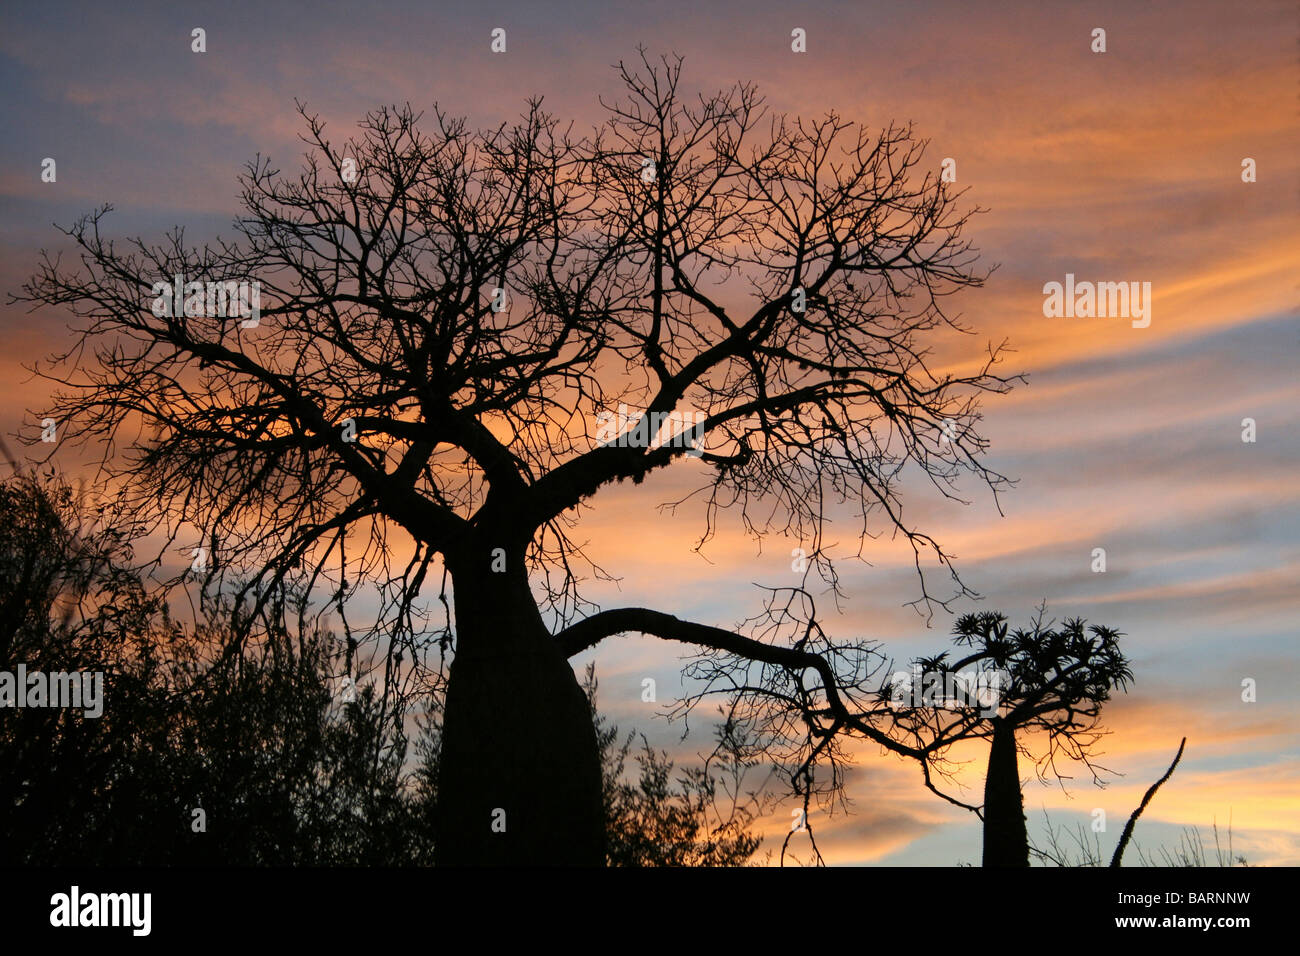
(1035, 679)
(445, 315)
(281, 769)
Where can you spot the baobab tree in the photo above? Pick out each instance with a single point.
(1045, 680)
(442, 323)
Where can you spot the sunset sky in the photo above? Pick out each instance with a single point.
(1116, 166)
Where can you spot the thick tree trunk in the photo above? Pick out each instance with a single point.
(519, 781)
(1006, 840)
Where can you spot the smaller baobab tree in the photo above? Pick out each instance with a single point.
(1010, 685)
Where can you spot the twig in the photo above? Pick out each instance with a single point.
(1128, 827)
